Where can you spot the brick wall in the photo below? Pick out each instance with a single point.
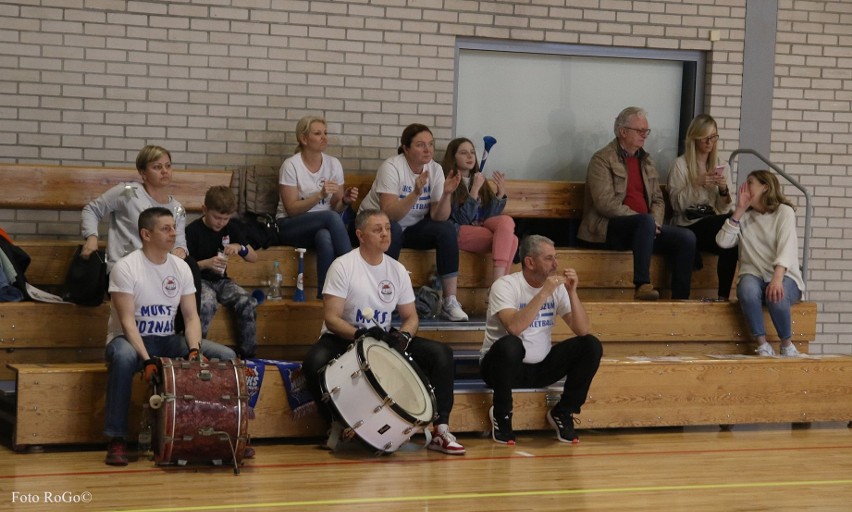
(222, 82)
(812, 140)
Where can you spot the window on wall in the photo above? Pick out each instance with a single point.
(550, 107)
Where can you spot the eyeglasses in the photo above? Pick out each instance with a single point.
(712, 138)
(643, 132)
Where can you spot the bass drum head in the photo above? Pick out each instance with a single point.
(398, 379)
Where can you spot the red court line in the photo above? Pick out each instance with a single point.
(431, 460)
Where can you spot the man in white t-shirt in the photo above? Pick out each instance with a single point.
(367, 278)
(518, 352)
(147, 288)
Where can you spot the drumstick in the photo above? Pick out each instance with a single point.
(369, 313)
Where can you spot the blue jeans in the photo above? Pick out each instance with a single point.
(323, 231)
(429, 234)
(123, 363)
(751, 292)
(638, 233)
(233, 296)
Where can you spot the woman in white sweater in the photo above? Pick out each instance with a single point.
(764, 227)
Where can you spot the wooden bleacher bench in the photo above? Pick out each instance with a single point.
(63, 403)
(527, 198)
(55, 352)
(666, 377)
(53, 187)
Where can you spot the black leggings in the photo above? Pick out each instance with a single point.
(705, 240)
(577, 359)
(433, 358)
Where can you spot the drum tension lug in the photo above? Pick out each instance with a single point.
(355, 374)
(358, 424)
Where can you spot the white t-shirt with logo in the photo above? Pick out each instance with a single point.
(380, 287)
(156, 291)
(513, 292)
(396, 177)
(293, 173)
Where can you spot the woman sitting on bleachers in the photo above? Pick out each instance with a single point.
(700, 193)
(764, 227)
(410, 188)
(310, 185)
(476, 209)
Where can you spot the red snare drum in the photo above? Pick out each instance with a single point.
(200, 412)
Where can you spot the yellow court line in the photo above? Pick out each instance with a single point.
(511, 494)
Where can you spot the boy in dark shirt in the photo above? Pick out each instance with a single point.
(211, 240)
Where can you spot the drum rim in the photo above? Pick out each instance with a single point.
(423, 381)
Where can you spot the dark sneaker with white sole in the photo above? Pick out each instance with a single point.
(563, 423)
(501, 427)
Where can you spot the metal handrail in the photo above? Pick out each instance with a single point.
(808, 206)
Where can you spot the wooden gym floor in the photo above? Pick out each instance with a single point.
(765, 467)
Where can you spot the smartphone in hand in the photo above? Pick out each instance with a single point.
(720, 170)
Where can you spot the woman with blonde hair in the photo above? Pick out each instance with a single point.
(477, 210)
(124, 202)
(310, 186)
(699, 187)
(764, 227)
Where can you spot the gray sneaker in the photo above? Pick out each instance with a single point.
(452, 310)
(789, 351)
(766, 350)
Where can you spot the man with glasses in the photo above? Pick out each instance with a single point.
(624, 208)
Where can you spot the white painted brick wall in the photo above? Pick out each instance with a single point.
(222, 83)
(811, 136)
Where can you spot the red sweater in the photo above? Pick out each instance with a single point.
(635, 198)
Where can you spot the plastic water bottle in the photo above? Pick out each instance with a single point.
(275, 280)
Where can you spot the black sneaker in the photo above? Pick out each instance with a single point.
(563, 423)
(501, 428)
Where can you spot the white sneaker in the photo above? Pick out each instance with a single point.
(765, 349)
(452, 310)
(789, 351)
(444, 442)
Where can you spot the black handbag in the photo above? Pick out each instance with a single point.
(699, 211)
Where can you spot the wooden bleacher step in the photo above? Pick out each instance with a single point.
(58, 404)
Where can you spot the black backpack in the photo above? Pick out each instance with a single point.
(86, 281)
(261, 230)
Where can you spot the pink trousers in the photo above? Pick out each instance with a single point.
(496, 235)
